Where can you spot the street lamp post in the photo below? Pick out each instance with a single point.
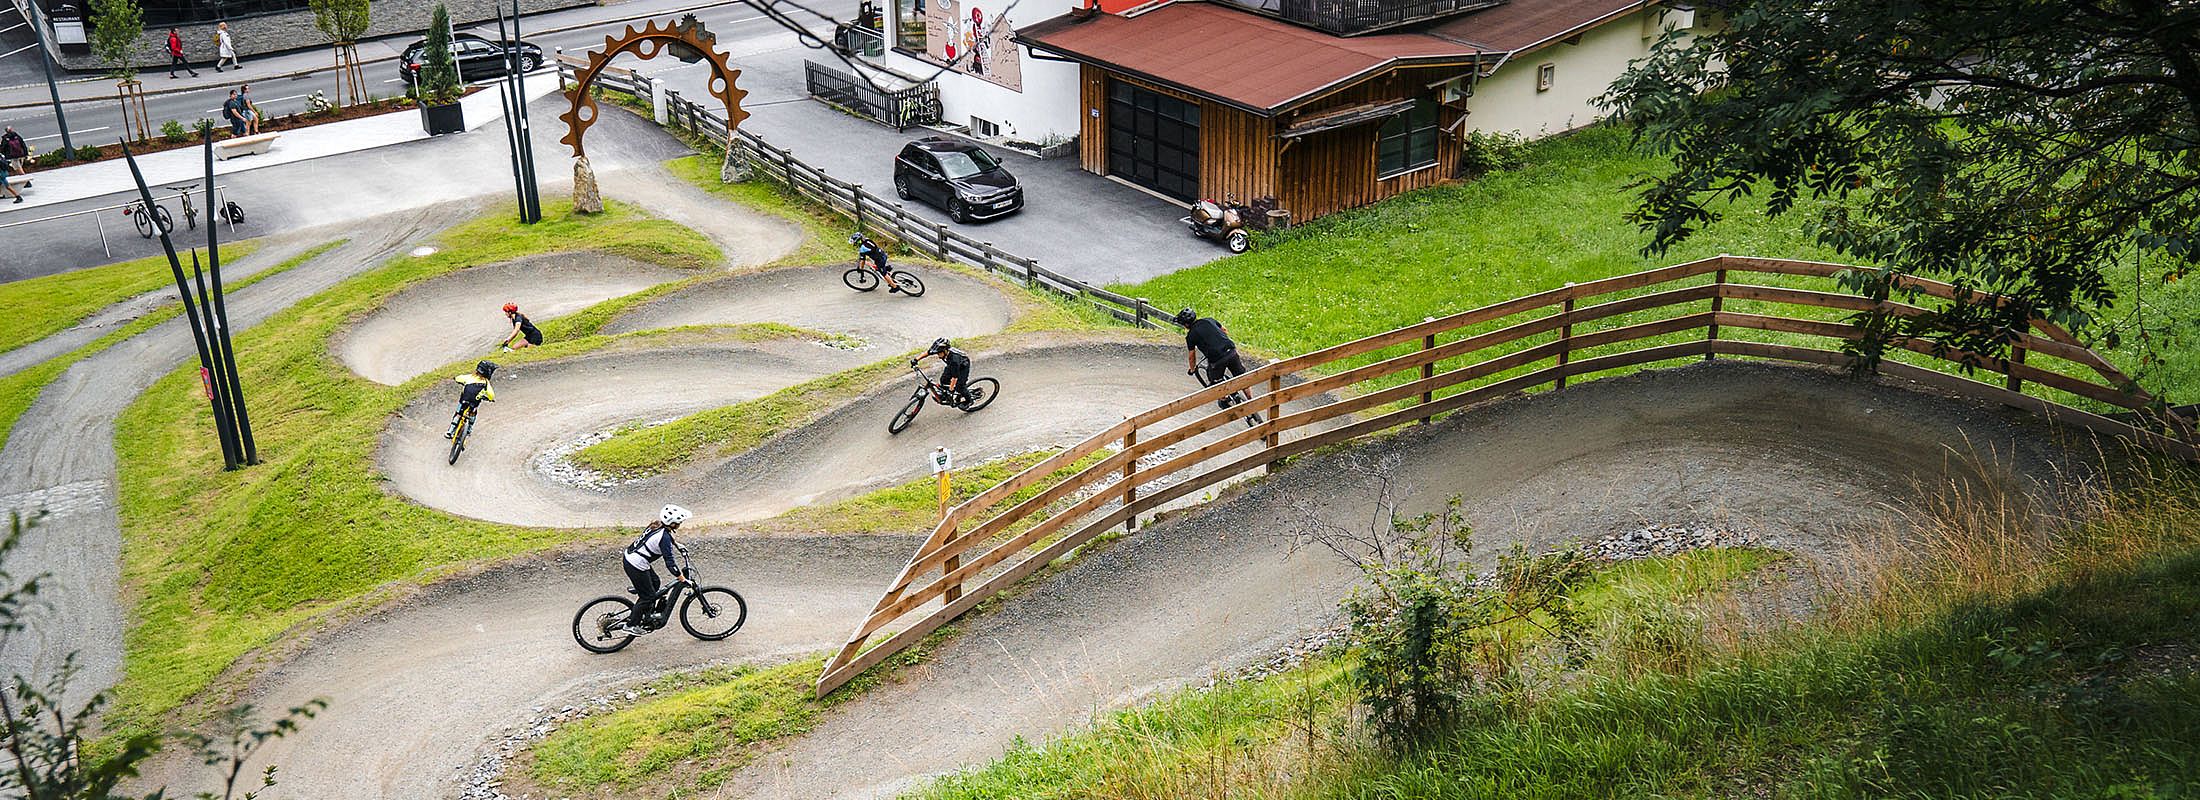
(45, 59)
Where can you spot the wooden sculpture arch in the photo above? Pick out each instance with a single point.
(647, 42)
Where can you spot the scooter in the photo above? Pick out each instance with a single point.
(1223, 222)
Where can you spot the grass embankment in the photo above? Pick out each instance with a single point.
(694, 730)
(43, 306)
(221, 564)
(19, 390)
(1980, 654)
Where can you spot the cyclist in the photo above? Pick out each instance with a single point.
(476, 389)
(1204, 336)
(957, 373)
(867, 250)
(524, 333)
(654, 543)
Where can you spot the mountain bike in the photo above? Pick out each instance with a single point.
(460, 428)
(152, 223)
(190, 212)
(709, 613)
(978, 394)
(1234, 398)
(863, 278)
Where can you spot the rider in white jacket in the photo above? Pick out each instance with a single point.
(641, 556)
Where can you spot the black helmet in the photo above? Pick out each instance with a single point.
(939, 345)
(1187, 317)
(485, 368)
(855, 238)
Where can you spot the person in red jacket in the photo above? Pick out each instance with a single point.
(175, 55)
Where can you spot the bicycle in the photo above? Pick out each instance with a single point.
(863, 278)
(978, 394)
(608, 623)
(1233, 398)
(149, 224)
(190, 212)
(459, 431)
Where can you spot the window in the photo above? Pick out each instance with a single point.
(1544, 75)
(960, 164)
(1407, 141)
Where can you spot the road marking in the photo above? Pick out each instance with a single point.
(18, 50)
(71, 133)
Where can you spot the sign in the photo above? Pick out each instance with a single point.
(942, 460)
(974, 37)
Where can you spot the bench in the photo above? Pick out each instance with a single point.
(253, 145)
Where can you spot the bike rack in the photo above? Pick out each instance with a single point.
(221, 195)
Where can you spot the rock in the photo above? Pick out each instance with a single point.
(587, 196)
(735, 169)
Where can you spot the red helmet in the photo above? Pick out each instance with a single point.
(510, 307)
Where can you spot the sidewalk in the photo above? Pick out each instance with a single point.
(82, 87)
(188, 165)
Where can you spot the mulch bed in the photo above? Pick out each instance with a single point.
(273, 124)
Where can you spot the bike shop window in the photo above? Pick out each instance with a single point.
(908, 33)
(1408, 140)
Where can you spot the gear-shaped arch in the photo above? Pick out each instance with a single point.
(648, 41)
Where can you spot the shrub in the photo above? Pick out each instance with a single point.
(173, 132)
(52, 159)
(439, 73)
(203, 125)
(88, 152)
(1491, 152)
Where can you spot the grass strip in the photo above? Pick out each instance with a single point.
(700, 725)
(43, 306)
(18, 391)
(222, 564)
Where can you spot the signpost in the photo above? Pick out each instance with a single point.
(943, 466)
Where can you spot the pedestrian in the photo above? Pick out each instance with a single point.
(251, 112)
(233, 111)
(5, 171)
(175, 54)
(15, 150)
(225, 48)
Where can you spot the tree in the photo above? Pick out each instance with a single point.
(116, 26)
(343, 22)
(438, 72)
(2006, 146)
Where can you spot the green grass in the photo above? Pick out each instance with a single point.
(915, 505)
(221, 564)
(43, 306)
(20, 390)
(726, 430)
(1258, 738)
(693, 731)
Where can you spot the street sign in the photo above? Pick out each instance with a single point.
(942, 460)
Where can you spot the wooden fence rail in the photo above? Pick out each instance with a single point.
(1545, 339)
(878, 216)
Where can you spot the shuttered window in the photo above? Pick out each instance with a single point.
(1407, 140)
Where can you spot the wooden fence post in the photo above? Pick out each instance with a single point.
(954, 562)
(2016, 384)
(1130, 490)
(1565, 336)
(1271, 438)
(855, 196)
(1718, 304)
(1141, 306)
(1428, 370)
(942, 231)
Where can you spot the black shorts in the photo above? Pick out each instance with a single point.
(533, 336)
(1224, 368)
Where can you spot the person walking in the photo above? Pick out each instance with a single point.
(225, 48)
(14, 149)
(9, 188)
(175, 54)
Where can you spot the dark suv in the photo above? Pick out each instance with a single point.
(477, 58)
(957, 176)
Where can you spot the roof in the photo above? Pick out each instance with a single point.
(1266, 66)
(1259, 64)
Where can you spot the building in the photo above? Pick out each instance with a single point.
(255, 26)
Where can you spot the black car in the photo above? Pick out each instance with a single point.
(477, 57)
(957, 176)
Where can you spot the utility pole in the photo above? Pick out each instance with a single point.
(45, 59)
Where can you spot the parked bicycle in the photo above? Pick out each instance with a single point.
(709, 613)
(149, 223)
(977, 395)
(863, 278)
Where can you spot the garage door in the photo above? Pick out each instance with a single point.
(1153, 140)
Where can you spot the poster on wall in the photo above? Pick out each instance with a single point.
(972, 36)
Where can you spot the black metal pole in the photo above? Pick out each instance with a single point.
(183, 290)
(45, 59)
(533, 199)
(217, 380)
(221, 311)
(512, 102)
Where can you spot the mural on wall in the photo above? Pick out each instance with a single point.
(973, 36)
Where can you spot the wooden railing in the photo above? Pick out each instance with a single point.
(1578, 330)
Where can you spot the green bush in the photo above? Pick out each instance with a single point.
(89, 152)
(1483, 153)
(52, 159)
(173, 132)
(204, 125)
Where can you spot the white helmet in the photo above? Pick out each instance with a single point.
(673, 515)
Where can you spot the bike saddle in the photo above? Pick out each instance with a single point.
(183, 188)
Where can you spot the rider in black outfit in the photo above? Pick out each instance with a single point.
(524, 333)
(957, 373)
(867, 250)
(1203, 336)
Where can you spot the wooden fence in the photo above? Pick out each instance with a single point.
(880, 217)
(1546, 338)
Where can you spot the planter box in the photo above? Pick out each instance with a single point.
(443, 119)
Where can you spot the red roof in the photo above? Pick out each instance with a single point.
(1246, 60)
(1524, 24)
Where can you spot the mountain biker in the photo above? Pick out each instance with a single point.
(476, 390)
(867, 250)
(655, 542)
(957, 373)
(523, 329)
(1204, 336)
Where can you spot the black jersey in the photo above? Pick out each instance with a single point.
(1207, 337)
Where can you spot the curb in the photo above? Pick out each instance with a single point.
(362, 63)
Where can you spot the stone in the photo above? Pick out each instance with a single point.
(735, 169)
(587, 196)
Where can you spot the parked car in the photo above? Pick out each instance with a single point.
(957, 176)
(477, 57)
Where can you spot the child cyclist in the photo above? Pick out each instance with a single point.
(867, 250)
(475, 388)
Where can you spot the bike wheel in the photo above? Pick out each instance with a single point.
(600, 627)
(458, 440)
(160, 215)
(861, 279)
(909, 283)
(908, 414)
(982, 391)
(144, 224)
(713, 613)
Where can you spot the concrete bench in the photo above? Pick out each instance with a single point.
(253, 145)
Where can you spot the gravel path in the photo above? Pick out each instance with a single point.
(1803, 458)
